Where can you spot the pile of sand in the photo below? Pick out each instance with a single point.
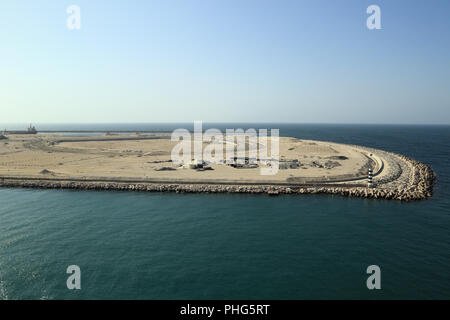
(45, 171)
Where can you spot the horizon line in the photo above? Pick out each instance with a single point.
(227, 122)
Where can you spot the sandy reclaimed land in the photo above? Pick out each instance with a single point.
(139, 158)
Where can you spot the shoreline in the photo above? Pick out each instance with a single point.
(419, 188)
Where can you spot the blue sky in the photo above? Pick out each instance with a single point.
(225, 61)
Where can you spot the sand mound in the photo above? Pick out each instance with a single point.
(45, 171)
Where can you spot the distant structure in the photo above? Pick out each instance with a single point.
(31, 130)
(370, 178)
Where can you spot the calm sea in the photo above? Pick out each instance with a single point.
(198, 246)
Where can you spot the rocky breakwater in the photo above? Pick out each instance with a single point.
(421, 182)
(420, 187)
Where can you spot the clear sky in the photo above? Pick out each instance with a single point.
(225, 61)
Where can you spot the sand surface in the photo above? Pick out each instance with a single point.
(121, 157)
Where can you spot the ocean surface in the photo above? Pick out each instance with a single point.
(199, 246)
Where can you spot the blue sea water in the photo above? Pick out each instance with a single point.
(233, 246)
